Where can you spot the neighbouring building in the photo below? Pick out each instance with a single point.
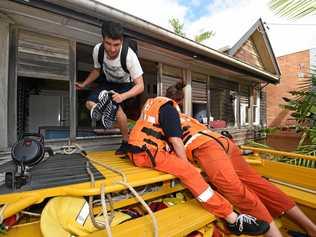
(46, 47)
(295, 68)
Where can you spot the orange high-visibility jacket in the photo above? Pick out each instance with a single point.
(195, 134)
(147, 133)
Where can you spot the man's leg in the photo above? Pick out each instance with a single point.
(273, 198)
(122, 124)
(221, 173)
(296, 215)
(218, 167)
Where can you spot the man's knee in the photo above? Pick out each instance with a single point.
(89, 104)
(120, 115)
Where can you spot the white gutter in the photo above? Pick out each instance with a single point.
(103, 11)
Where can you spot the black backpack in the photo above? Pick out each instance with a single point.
(127, 43)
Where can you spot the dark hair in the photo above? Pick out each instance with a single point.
(112, 30)
(175, 92)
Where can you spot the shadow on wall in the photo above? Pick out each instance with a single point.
(280, 119)
(283, 140)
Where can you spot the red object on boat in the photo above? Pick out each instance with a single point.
(11, 221)
(218, 124)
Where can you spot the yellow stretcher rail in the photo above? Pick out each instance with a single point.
(18, 201)
(280, 153)
(176, 221)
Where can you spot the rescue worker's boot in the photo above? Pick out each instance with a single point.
(248, 225)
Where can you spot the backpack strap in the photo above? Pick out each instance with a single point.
(124, 54)
(101, 57)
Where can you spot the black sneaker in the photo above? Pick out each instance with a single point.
(122, 150)
(248, 225)
(97, 111)
(109, 114)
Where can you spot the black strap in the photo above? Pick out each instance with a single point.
(185, 128)
(150, 155)
(124, 54)
(153, 133)
(218, 141)
(101, 57)
(185, 140)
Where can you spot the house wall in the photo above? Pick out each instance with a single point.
(74, 31)
(294, 67)
(249, 53)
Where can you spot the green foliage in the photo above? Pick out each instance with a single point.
(204, 36)
(303, 107)
(178, 29)
(293, 9)
(177, 26)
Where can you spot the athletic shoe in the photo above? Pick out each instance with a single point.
(248, 225)
(109, 114)
(97, 111)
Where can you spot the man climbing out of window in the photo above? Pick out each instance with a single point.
(155, 142)
(118, 70)
(234, 178)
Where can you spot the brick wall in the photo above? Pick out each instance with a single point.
(293, 69)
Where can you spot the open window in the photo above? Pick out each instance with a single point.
(42, 85)
(223, 103)
(170, 76)
(84, 66)
(199, 97)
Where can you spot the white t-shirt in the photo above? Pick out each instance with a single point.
(113, 69)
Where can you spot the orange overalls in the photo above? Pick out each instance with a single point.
(233, 177)
(149, 137)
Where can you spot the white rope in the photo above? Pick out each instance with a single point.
(133, 191)
(105, 212)
(30, 213)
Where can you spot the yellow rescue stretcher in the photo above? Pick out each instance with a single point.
(176, 220)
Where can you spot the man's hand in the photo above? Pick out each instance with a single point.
(118, 98)
(80, 86)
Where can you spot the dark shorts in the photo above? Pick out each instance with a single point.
(117, 87)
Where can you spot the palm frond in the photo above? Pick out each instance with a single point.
(204, 36)
(293, 9)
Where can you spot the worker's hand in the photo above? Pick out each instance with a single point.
(118, 98)
(80, 86)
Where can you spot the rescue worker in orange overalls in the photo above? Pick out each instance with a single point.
(220, 158)
(155, 142)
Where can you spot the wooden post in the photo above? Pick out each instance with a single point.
(4, 72)
(208, 103)
(159, 79)
(12, 86)
(187, 106)
(251, 103)
(72, 91)
(238, 123)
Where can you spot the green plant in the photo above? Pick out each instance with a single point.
(293, 9)
(302, 104)
(178, 29)
(177, 26)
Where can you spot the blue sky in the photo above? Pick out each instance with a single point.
(196, 8)
(229, 19)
